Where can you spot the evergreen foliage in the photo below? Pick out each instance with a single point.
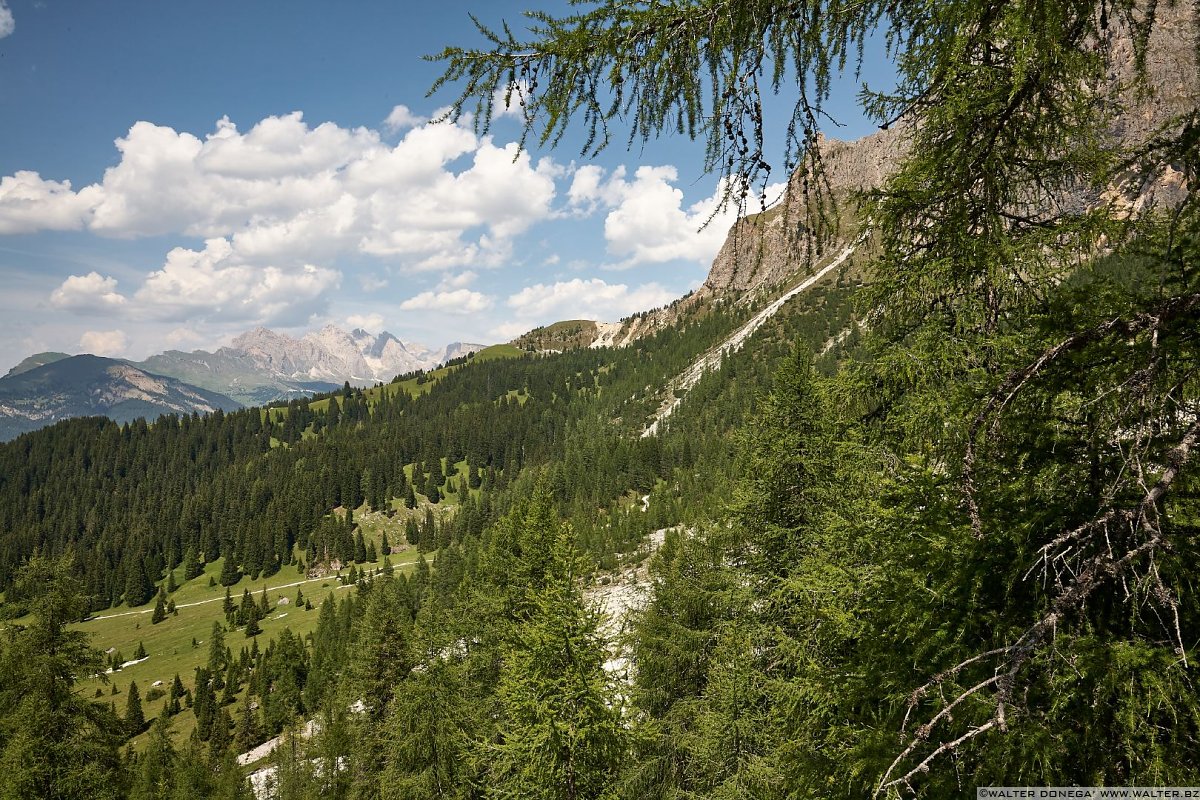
(957, 548)
(53, 743)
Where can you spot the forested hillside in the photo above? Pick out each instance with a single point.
(933, 527)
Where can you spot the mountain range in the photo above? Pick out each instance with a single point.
(43, 390)
(258, 367)
(262, 366)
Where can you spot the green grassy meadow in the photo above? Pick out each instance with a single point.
(169, 644)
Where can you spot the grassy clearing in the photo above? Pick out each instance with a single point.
(169, 644)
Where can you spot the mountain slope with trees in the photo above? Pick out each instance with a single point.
(927, 531)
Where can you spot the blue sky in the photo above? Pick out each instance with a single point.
(173, 174)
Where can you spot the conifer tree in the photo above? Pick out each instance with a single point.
(204, 704)
(154, 775)
(560, 732)
(378, 663)
(248, 733)
(54, 744)
(192, 568)
(135, 717)
(160, 611)
(252, 627)
(218, 655)
(138, 588)
(431, 490)
(230, 574)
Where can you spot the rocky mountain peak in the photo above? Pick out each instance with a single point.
(764, 250)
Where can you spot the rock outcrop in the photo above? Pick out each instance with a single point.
(765, 250)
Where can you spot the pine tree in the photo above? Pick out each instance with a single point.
(218, 655)
(561, 734)
(192, 567)
(248, 733)
(379, 661)
(140, 652)
(252, 627)
(160, 611)
(204, 704)
(431, 490)
(138, 588)
(230, 574)
(135, 717)
(56, 744)
(155, 773)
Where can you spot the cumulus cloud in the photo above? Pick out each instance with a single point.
(368, 322)
(104, 343)
(7, 23)
(402, 118)
(280, 203)
(586, 299)
(459, 281)
(647, 221)
(29, 203)
(458, 301)
(285, 192)
(214, 283)
(94, 293)
(183, 336)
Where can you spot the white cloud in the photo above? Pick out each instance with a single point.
(459, 281)
(368, 322)
(285, 193)
(586, 299)
(88, 293)
(183, 336)
(401, 118)
(509, 330)
(215, 284)
(647, 221)
(104, 343)
(7, 23)
(28, 203)
(459, 301)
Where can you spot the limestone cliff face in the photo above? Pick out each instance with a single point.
(764, 250)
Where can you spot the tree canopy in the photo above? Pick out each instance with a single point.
(1030, 394)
